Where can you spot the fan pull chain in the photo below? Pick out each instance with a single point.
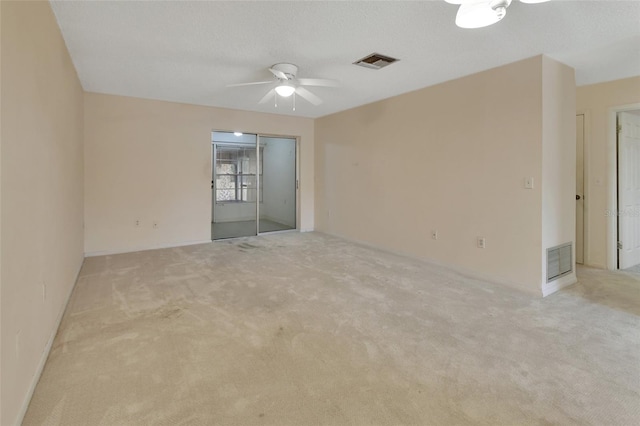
(275, 100)
(294, 101)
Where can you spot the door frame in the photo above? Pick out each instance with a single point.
(586, 131)
(258, 135)
(612, 176)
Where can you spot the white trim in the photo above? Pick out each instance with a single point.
(553, 286)
(298, 182)
(45, 352)
(586, 190)
(144, 248)
(435, 262)
(612, 175)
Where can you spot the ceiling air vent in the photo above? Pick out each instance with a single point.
(375, 61)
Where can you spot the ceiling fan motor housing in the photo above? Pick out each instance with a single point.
(289, 70)
(500, 7)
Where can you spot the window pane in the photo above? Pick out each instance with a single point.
(225, 195)
(236, 170)
(225, 168)
(226, 182)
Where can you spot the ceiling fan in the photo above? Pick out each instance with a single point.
(482, 13)
(286, 83)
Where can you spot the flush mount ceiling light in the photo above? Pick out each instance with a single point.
(285, 89)
(482, 13)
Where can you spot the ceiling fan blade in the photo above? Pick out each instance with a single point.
(318, 82)
(307, 95)
(279, 74)
(254, 83)
(267, 96)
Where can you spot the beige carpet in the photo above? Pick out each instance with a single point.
(307, 329)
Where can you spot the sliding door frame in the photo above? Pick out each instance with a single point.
(258, 179)
(297, 182)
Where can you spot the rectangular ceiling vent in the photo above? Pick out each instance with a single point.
(375, 61)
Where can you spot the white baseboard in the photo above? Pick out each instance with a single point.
(553, 286)
(45, 352)
(144, 248)
(595, 265)
(455, 268)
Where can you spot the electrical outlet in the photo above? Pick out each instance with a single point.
(528, 182)
(481, 242)
(136, 223)
(155, 224)
(434, 235)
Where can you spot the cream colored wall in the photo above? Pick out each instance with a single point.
(595, 101)
(558, 163)
(452, 158)
(0, 218)
(151, 160)
(41, 189)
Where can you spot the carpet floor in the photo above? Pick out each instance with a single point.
(308, 329)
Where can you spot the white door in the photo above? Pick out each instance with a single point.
(580, 188)
(628, 189)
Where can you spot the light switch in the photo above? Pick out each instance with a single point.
(528, 182)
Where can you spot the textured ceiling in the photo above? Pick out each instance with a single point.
(188, 51)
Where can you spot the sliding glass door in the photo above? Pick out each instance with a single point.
(234, 185)
(278, 182)
(253, 177)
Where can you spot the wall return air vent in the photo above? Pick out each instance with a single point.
(559, 261)
(375, 61)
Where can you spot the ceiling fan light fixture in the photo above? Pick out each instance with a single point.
(534, 1)
(476, 15)
(285, 89)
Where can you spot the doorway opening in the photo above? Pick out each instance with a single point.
(628, 189)
(254, 184)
